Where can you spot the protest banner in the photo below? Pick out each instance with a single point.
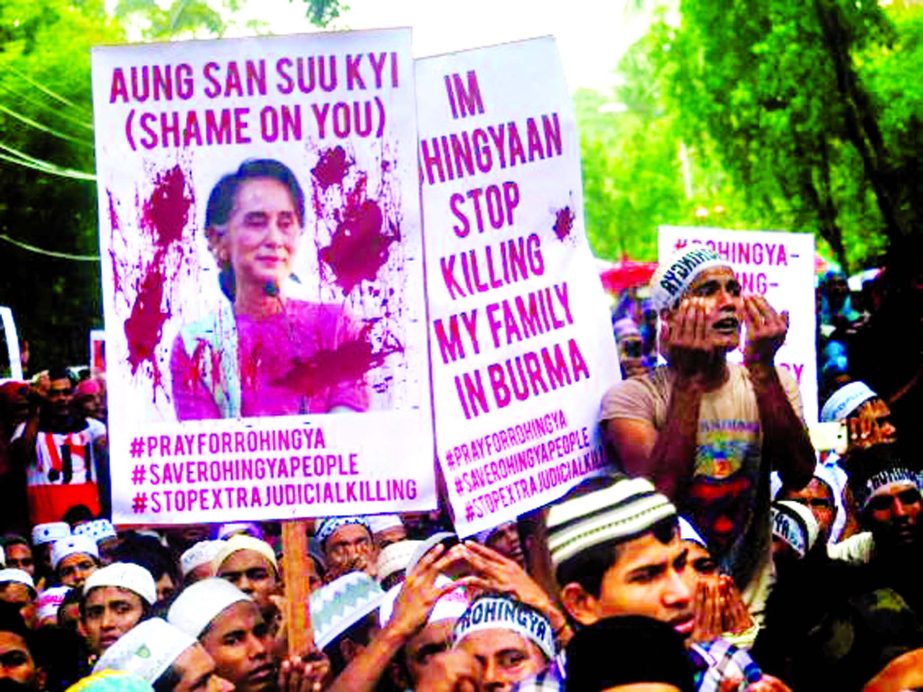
(12, 368)
(779, 266)
(262, 264)
(97, 351)
(521, 344)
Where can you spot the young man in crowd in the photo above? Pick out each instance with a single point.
(510, 640)
(62, 452)
(229, 624)
(250, 564)
(18, 553)
(18, 589)
(616, 550)
(74, 559)
(706, 432)
(115, 599)
(165, 657)
(18, 668)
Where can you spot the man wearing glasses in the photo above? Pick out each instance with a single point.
(61, 451)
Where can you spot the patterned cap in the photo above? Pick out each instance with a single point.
(51, 532)
(499, 612)
(676, 274)
(624, 510)
(326, 528)
(845, 400)
(71, 546)
(199, 604)
(147, 650)
(124, 575)
(98, 530)
(341, 604)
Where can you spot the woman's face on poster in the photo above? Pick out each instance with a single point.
(262, 233)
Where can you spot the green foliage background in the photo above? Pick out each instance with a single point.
(759, 114)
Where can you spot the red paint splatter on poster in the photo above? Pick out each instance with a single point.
(360, 245)
(163, 219)
(144, 326)
(348, 363)
(332, 167)
(563, 223)
(166, 214)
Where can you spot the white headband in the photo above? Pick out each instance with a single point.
(493, 612)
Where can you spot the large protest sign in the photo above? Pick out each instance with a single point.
(779, 266)
(262, 265)
(11, 362)
(521, 346)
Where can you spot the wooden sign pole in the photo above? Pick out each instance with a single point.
(298, 614)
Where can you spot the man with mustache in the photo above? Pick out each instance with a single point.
(707, 433)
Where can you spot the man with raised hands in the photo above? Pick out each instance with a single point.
(706, 432)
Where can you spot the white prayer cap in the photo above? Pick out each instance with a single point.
(239, 542)
(49, 602)
(125, 575)
(395, 557)
(98, 530)
(2, 557)
(199, 604)
(449, 607)
(51, 532)
(147, 650)
(17, 576)
(845, 400)
(246, 528)
(71, 546)
(200, 554)
(383, 522)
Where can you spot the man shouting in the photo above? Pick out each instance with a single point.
(706, 432)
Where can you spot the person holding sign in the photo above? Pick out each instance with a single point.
(706, 432)
(263, 353)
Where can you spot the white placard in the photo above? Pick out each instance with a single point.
(521, 344)
(340, 320)
(12, 342)
(779, 266)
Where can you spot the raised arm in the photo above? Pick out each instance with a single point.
(785, 437)
(667, 457)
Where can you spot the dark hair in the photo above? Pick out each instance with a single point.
(588, 567)
(61, 372)
(14, 539)
(11, 621)
(221, 199)
(168, 679)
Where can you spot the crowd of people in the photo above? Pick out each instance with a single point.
(721, 551)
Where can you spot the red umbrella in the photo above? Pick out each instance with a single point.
(626, 274)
